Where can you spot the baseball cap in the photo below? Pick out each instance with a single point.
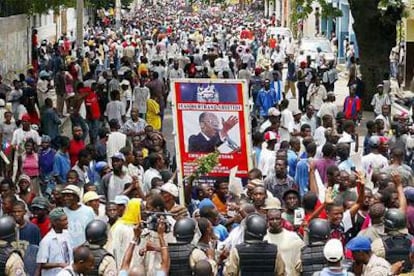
(118, 155)
(89, 196)
(24, 177)
(100, 166)
(330, 93)
(46, 139)
(40, 202)
(270, 135)
(340, 116)
(297, 112)
(125, 82)
(121, 200)
(359, 244)
(333, 250)
(273, 111)
(170, 188)
(71, 189)
(25, 118)
(374, 141)
(272, 203)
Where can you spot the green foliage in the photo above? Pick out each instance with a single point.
(303, 8)
(327, 10)
(206, 164)
(38, 6)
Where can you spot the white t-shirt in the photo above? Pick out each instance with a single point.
(373, 162)
(116, 141)
(266, 161)
(20, 137)
(289, 246)
(115, 110)
(286, 125)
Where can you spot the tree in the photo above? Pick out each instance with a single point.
(36, 6)
(375, 27)
(106, 3)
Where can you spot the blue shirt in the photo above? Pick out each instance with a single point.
(302, 176)
(292, 162)
(277, 86)
(265, 100)
(346, 165)
(46, 161)
(50, 123)
(61, 166)
(78, 220)
(221, 232)
(54, 248)
(31, 233)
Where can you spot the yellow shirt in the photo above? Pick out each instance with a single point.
(143, 69)
(153, 117)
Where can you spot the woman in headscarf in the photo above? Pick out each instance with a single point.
(123, 233)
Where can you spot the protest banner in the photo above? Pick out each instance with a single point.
(211, 115)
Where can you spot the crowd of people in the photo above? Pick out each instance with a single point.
(104, 201)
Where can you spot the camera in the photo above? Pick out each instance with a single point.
(151, 223)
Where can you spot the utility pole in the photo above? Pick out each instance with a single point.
(79, 24)
(118, 14)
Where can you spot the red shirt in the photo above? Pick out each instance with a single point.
(34, 118)
(74, 148)
(92, 106)
(244, 34)
(352, 106)
(322, 215)
(44, 226)
(272, 43)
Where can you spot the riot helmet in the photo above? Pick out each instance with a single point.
(96, 232)
(7, 228)
(394, 220)
(256, 227)
(184, 230)
(318, 230)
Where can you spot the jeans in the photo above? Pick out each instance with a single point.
(93, 129)
(303, 91)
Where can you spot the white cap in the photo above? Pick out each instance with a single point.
(272, 203)
(333, 251)
(170, 188)
(273, 111)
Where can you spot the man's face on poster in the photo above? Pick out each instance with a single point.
(210, 125)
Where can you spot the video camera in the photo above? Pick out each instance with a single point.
(151, 223)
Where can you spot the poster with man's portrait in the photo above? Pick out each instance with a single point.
(209, 116)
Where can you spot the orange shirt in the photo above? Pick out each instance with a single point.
(221, 207)
(272, 43)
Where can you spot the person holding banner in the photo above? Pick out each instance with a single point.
(211, 136)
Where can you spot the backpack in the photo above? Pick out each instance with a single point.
(192, 70)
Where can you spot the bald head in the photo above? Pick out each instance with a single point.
(203, 268)
(81, 254)
(248, 208)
